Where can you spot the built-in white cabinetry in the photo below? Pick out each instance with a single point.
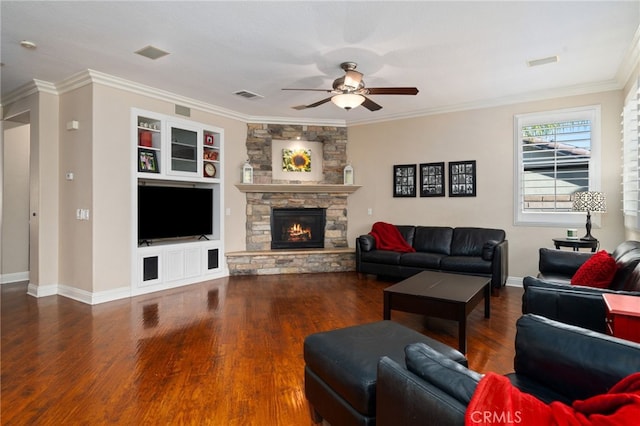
(176, 153)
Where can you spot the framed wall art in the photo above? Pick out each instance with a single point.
(462, 178)
(404, 180)
(147, 161)
(432, 179)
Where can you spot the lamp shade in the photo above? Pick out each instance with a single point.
(347, 100)
(589, 201)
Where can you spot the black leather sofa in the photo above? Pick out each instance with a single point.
(473, 251)
(551, 294)
(553, 362)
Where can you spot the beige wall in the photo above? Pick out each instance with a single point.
(15, 201)
(113, 168)
(484, 135)
(76, 252)
(43, 181)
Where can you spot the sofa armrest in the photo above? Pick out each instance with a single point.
(562, 303)
(402, 398)
(569, 360)
(500, 264)
(561, 262)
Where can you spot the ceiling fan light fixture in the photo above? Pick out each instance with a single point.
(347, 100)
(352, 79)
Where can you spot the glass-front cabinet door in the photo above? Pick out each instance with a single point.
(185, 150)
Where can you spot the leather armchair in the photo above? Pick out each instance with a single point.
(553, 362)
(551, 295)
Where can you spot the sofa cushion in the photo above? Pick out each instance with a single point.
(593, 364)
(433, 239)
(488, 249)
(597, 271)
(470, 241)
(385, 257)
(626, 264)
(441, 371)
(421, 260)
(470, 264)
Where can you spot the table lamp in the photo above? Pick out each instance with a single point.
(589, 201)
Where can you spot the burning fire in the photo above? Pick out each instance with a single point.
(297, 233)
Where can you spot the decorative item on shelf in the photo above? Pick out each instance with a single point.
(247, 173)
(209, 170)
(147, 161)
(210, 155)
(209, 139)
(348, 174)
(146, 138)
(590, 202)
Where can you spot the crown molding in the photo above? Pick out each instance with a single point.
(631, 60)
(541, 95)
(299, 121)
(28, 89)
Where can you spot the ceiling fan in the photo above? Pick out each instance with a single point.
(349, 91)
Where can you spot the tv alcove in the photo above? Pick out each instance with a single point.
(177, 202)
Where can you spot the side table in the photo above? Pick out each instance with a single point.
(623, 316)
(576, 244)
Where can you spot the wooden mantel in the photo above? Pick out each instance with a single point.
(297, 188)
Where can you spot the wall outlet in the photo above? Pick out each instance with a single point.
(370, 211)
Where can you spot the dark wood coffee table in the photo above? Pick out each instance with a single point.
(441, 295)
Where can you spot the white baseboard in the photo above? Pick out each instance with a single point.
(42, 290)
(514, 281)
(14, 277)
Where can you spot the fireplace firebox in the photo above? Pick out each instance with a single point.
(293, 228)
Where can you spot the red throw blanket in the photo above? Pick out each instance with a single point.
(497, 402)
(389, 238)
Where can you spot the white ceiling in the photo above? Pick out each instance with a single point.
(458, 54)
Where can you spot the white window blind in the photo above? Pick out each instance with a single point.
(631, 161)
(557, 155)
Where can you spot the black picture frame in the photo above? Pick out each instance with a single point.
(432, 179)
(404, 180)
(462, 178)
(148, 161)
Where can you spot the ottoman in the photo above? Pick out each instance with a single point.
(341, 368)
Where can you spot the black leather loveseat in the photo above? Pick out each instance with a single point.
(553, 362)
(473, 251)
(551, 294)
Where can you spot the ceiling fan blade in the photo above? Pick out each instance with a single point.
(392, 90)
(370, 105)
(313, 105)
(312, 90)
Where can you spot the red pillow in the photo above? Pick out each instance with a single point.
(598, 271)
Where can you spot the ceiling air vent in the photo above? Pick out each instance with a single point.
(247, 94)
(151, 52)
(543, 61)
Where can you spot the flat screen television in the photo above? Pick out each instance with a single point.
(174, 212)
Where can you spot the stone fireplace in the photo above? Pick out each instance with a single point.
(297, 228)
(330, 250)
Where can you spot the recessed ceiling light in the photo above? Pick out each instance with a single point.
(152, 52)
(543, 61)
(28, 44)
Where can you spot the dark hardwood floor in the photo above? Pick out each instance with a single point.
(222, 352)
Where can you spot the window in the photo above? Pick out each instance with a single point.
(630, 161)
(557, 154)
